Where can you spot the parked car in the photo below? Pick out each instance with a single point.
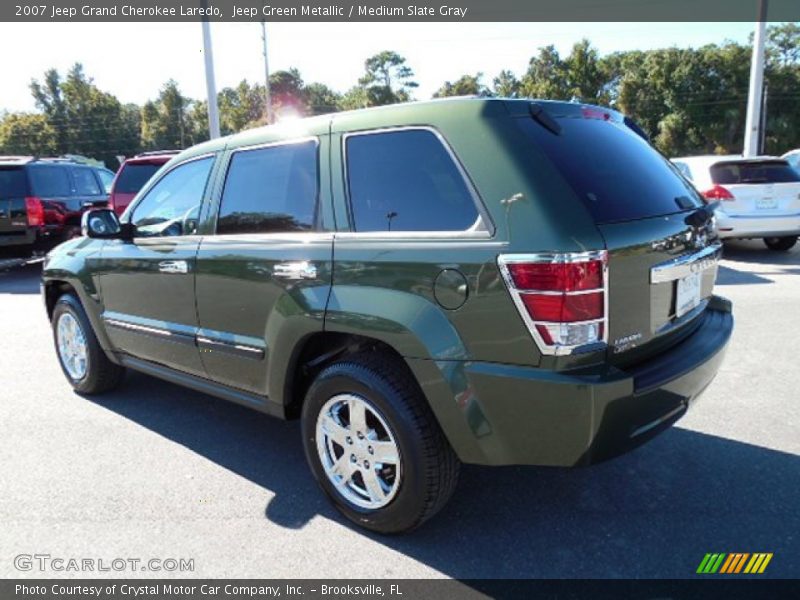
(467, 280)
(42, 200)
(758, 197)
(793, 158)
(133, 174)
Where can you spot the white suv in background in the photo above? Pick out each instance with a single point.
(758, 197)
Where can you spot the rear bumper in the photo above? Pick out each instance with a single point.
(744, 226)
(27, 237)
(501, 415)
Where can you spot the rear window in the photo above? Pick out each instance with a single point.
(13, 183)
(616, 173)
(134, 176)
(774, 171)
(50, 182)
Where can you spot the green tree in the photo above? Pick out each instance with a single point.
(466, 85)
(27, 134)
(166, 122)
(320, 99)
(387, 79)
(506, 85)
(84, 119)
(546, 76)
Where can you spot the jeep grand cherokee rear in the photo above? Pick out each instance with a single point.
(474, 280)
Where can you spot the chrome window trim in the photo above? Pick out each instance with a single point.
(486, 227)
(503, 260)
(687, 264)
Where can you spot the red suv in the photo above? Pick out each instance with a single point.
(133, 174)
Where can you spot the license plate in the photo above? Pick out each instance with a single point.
(766, 203)
(689, 289)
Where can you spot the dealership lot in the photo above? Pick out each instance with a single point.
(153, 471)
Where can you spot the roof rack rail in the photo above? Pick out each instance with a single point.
(15, 158)
(157, 152)
(62, 159)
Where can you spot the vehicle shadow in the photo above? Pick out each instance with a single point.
(754, 251)
(21, 279)
(729, 276)
(652, 513)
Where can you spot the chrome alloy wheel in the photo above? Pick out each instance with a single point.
(72, 347)
(358, 451)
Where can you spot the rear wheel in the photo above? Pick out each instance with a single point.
(83, 361)
(374, 445)
(781, 244)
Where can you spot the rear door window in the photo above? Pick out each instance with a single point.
(13, 183)
(270, 190)
(134, 176)
(85, 182)
(50, 181)
(616, 173)
(744, 172)
(406, 181)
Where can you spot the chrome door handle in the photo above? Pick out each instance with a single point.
(295, 270)
(173, 266)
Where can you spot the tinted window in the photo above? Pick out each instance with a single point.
(85, 182)
(50, 182)
(13, 183)
(172, 206)
(616, 173)
(270, 190)
(775, 171)
(406, 181)
(134, 176)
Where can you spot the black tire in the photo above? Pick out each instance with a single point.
(428, 464)
(781, 244)
(101, 374)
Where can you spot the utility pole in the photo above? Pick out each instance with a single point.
(211, 86)
(752, 131)
(267, 98)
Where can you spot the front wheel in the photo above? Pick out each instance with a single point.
(83, 361)
(781, 244)
(374, 445)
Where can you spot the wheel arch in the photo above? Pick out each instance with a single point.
(315, 352)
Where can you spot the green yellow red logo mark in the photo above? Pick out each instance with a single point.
(734, 562)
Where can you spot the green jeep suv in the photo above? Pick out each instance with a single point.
(485, 281)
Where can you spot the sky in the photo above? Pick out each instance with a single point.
(133, 60)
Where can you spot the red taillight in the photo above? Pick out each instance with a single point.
(561, 297)
(553, 277)
(717, 192)
(562, 308)
(35, 210)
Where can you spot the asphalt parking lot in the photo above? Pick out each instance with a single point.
(156, 471)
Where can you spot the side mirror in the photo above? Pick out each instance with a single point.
(103, 223)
